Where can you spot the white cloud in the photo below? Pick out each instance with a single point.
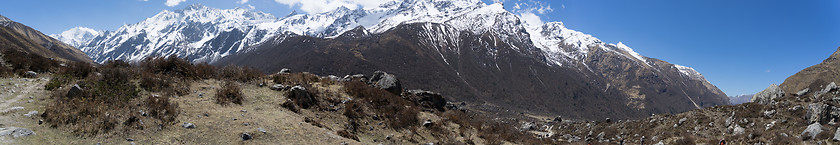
(145, 0)
(319, 6)
(251, 6)
(172, 3)
(242, 1)
(531, 19)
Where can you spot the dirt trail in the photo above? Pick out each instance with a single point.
(28, 88)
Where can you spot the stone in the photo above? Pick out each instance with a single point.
(428, 123)
(301, 97)
(836, 135)
(768, 95)
(738, 130)
(427, 99)
(30, 74)
(188, 125)
(388, 82)
(31, 113)
(285, 71)
(246, 136)
(389, 137)
(261, 130)
(803, 92)
(816, 113)
(129, 139)
(769, 113)
(75, 91)
(830, 87)
(558, 119)
(246, 124)
(811, 131)
(682, 121)
(16, 108)
(528, 126)
(279, 87)
(21, 132)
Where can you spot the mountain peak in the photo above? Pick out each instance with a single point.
(4, 19)
(196, 6)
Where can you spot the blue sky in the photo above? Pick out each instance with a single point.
(741, 46)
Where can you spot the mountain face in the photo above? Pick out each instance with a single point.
(814, 78)
(740, 99)
(77, 36)
(14, 35)
(466, 50)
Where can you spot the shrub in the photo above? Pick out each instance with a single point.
(205, 71)
(239, 73)
(77, 69)
(295, 78)
(161, 108)
(229, 93)
(400, 112)
(57, 81)
(170, 66)
(23, 61)
(154, 83)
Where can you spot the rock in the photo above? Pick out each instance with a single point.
(129, 139)
(16, 108)
(301, 97)
(811, 131)
(188, 125)
(558, 119)
(816, 113)
(830, 87)
(836, 135)
(768, 95)
(246, 124)
(261, 130)
(285, 71)
(427, 99)
(803, 92)
(608, 120)
(738, 130)
(279, 87)
(388, 82)
(428, 123)
(389, 136)
(31, 113)
(30, 101)
(30, 74)
(246, 136)
(682, 121)
(769, 113)
(21, 132)
(601, 136)
(528, 126)
(75, 91)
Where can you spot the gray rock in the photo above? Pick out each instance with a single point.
(388, 82)
(285, 71)
(768, 95)
(528, 126)
(601, 136)
(682, 121)
(803, 92)
(246, 136)
(188, 125)
(836, 135)
(830, 87)
(816, 113)
(427, 99)
(129, 139)
(31, 113)
(389, 137)
(261, 130)
(30, 74)
(811, 131)
(738, 130)
(769, 113)
(16, 108)
(428, 123)
(75, 91)
(279, 87)
(558, 119)
(301, 97)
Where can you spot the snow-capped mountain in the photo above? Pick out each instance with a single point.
(454, 31)
(77, 36)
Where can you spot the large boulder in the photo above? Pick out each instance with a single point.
(301, 97)
(427, 99)
(817, 113)
(811, 131)
(767, 96)
(386, 81)
(75, 91)
(30, 74)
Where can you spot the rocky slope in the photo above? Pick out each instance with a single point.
(815, 77)
(14, 35)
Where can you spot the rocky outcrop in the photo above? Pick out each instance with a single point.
(388, 82)
(811, 131)
(427, 99)
(768, 95)
(301, 97)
